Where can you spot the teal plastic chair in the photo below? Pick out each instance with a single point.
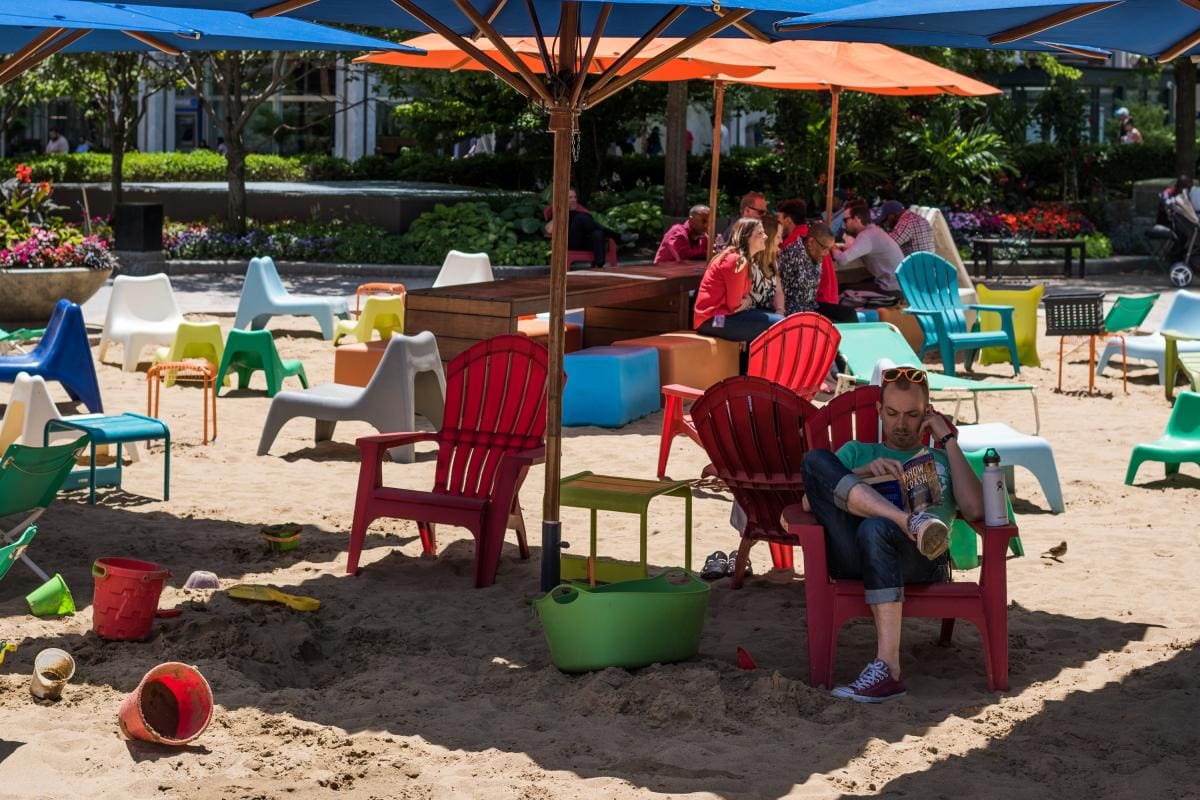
(30, 477)
(1179, 443)
(964, 547)
(264, 296)
(930, 285)
(247, 352)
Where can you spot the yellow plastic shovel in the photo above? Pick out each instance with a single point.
(267, 594)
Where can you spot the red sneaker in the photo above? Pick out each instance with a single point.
(874, 685)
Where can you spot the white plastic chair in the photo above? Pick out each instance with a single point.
(29, 408)
(409, 380)
(459, 268)
(142, 312)
(264, 296)
(1183, 316)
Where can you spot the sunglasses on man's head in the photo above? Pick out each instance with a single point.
(910, 374)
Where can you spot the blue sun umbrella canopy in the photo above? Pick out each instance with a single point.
(629, 18)
(1162, 29)
(113, 27)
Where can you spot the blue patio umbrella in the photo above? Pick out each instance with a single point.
(564, 89)
(1163, 29)
(35, 32)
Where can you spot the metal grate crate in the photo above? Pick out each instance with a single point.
(1074, 313)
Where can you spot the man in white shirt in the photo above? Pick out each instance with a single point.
(57, 143)
(866, 240)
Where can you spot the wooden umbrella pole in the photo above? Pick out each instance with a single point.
(718, 112)
(836, 92)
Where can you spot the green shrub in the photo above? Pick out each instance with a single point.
(642, 217)
(1097, 245)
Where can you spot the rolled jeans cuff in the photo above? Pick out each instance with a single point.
(841, 492)
(877, 596)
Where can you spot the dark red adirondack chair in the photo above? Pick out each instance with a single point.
(493, 432)
(795, 353)
(832, 602)
(752, 429)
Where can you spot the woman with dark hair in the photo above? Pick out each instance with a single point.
(724, 305)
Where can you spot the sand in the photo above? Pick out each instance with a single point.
(408, 683)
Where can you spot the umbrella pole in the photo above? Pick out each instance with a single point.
(718, 112)
(836, 93)
(563, 120)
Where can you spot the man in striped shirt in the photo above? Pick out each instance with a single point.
(911, 231)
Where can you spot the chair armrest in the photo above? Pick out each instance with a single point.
(527, 458)
(1187, 337)
(986, 307)
(373, 447)
(681, 391)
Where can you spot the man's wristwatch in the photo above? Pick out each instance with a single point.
(942, 441)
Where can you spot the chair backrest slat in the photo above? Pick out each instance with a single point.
(796, 352)
(930, 282)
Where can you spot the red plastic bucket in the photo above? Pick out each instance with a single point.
(172, 705)
(127, 592)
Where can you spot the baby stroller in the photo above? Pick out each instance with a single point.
(1178, 244)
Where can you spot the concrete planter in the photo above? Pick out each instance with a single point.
(29, 295)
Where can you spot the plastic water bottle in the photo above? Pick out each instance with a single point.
(995, 495)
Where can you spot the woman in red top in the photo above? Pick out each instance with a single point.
(724, 306)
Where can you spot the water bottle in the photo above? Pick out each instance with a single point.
(995, 496)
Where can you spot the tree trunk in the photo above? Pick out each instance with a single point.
(235, 174)
(118, 164)
(675, 177)
(1185, 116)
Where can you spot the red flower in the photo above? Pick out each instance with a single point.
(44, 186)
(23, 173)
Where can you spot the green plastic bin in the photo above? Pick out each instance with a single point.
(628, 624)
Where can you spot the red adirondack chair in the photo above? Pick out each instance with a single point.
(832, 602)
(795, 353)
(752, 429)
(493, 432)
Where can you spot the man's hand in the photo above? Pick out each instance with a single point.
(935, 424)
(882, 468)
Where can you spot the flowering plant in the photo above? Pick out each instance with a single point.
(32, 239)
(1042, 221)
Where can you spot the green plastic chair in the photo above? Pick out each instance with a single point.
(1126, 314)
(30, 477)
(864, 343)
(11, 552)
(964, 547)
(15, 339)
(1179, 443)
(247, 352)
(930, 285)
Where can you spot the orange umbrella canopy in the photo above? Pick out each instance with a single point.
(441, 54)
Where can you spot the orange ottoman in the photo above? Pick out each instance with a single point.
(539, 331)
(354, 364)
(687, 358)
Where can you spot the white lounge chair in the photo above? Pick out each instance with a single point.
(409, 380)
(1183, 317)
(142, 312)
(29, 408)
(264, 296)
(459, 268)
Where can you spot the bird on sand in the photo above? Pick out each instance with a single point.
(1056, 552)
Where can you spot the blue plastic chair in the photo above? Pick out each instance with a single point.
(62, 355)
(264, 296)
(930, 285)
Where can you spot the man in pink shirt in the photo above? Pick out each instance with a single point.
(687, 241)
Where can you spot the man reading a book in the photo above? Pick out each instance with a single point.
(897, 533)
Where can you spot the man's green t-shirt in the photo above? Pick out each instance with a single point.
(859, 454)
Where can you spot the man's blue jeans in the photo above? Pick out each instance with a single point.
(874, 550)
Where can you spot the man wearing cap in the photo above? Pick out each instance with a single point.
(911, 231)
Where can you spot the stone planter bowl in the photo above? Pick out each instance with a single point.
(29, 295)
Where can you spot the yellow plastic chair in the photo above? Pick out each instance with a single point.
(1025, 304)
(383, 313)
(193, 340)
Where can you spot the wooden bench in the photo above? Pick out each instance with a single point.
(985, 249)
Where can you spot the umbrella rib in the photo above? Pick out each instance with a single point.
(1180, 47)
(491, 17)
(150, 41)
(15, 60)
(467, 47)
(539, 37)
(281, 8)
(498, 42)
(39, 54)
(1048, 22)
(637, 47)
(1082, 52)
(674, 51)
(586, 66)
(749, 30)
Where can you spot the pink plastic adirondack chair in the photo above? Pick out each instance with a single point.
(492, 433)
(752, 429)
(832, 602)
(795, 353)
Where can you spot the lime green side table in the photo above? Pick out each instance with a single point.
(623, 495)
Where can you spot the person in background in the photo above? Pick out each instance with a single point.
(911, 231)
(687, 240)
(724, 307)
(871, 243)
(56, 142)
(654, 142)
(753, 206)
(583, 232)
(807, 276)
(837, 222)
(1129, 133)
(83, 147)
(764, 280)
(222, 148)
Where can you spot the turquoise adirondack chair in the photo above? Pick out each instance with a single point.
(930, 285)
